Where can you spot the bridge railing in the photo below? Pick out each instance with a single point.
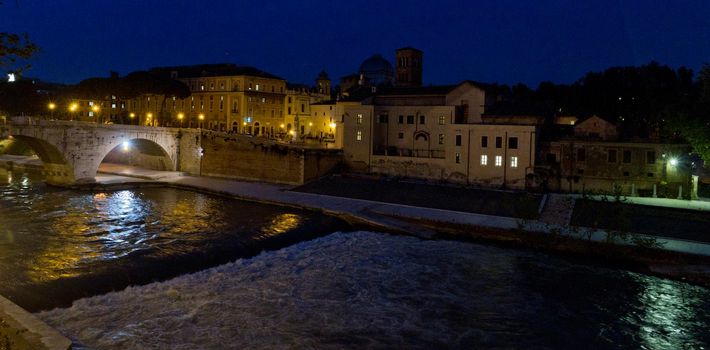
(36, 121)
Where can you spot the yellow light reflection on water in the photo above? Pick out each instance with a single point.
(280, 224)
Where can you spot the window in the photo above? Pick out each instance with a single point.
(422, 119)
(499, 160)
(400, 120)
(626, 173)
(484, 159)
(257, 87)
(626, 156)
(499, 142)
(382, 119)
(400, 135)
(91, 114)
(202, 87)
(484, 141)
(513, 142)
(458, 140)
(441, 139)
(113, 105)
(359, 135)
(442, 120)
(289, 110)
(358, 119)
(410, 119)
(458, 158)
(581, 155)
(649, 174)
(303, 107)
(513, 162)
(611, 156)
(651, 157)
(289, 99)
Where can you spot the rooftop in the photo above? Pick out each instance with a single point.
(212, 70)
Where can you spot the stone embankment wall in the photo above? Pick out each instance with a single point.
(250, 158)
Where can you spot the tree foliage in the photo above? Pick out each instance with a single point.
(14, 48)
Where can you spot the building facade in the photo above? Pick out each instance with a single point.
(436, 133)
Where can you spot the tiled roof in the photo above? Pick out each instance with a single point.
(212, 70)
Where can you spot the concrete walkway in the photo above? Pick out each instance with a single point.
(386, 214)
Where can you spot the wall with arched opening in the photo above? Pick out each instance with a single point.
(57, 170)
(140, 153)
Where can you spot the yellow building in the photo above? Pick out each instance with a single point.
(299, 121)
(224, 97)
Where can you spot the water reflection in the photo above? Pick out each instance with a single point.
(668, 314)
(51, 235)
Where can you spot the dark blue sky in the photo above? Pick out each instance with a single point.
(489, 41)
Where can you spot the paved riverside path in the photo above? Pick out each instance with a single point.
(380, 213)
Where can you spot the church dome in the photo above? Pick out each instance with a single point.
(377, 70)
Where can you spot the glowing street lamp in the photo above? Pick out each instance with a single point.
(673, 161)
(180, 116)
(52, 107)
(72, 108)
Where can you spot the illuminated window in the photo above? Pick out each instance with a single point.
(202, 87)
(484, 160)
(263, 99)
(442, 120)
(358, 120)
(257, 87)
(113, 105)
(359, 136)
(499, 160)
(458, 158)
(91, 103)
(513, 162)
(441, 139)
(91, 114)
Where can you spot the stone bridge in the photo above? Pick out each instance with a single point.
(72, 151)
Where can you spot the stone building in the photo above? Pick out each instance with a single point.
(594, 159)
(299, 121)
(224, 97)
(435, 133)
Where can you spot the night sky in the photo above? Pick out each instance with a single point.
(488, 41)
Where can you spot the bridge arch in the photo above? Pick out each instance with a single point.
(57, 169)
(72, 151)
(140, 152)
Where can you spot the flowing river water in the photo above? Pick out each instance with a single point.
(343, 290)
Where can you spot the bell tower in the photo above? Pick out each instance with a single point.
(409, 67)
(323, 83)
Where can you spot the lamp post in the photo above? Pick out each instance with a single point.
(72, 108)
(96, 110)
(149, 119)
(131, 115)
(180, 116)
(201, 118)
(51, 107)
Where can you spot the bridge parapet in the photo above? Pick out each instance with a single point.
(72, 151)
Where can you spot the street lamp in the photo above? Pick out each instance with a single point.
(51, 107)
(201, 117)
(180, 116)
(131, 115)
(95, 109)
(149, 119)
(72, 108)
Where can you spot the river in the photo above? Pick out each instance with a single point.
(341, 290)
(58, 245)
